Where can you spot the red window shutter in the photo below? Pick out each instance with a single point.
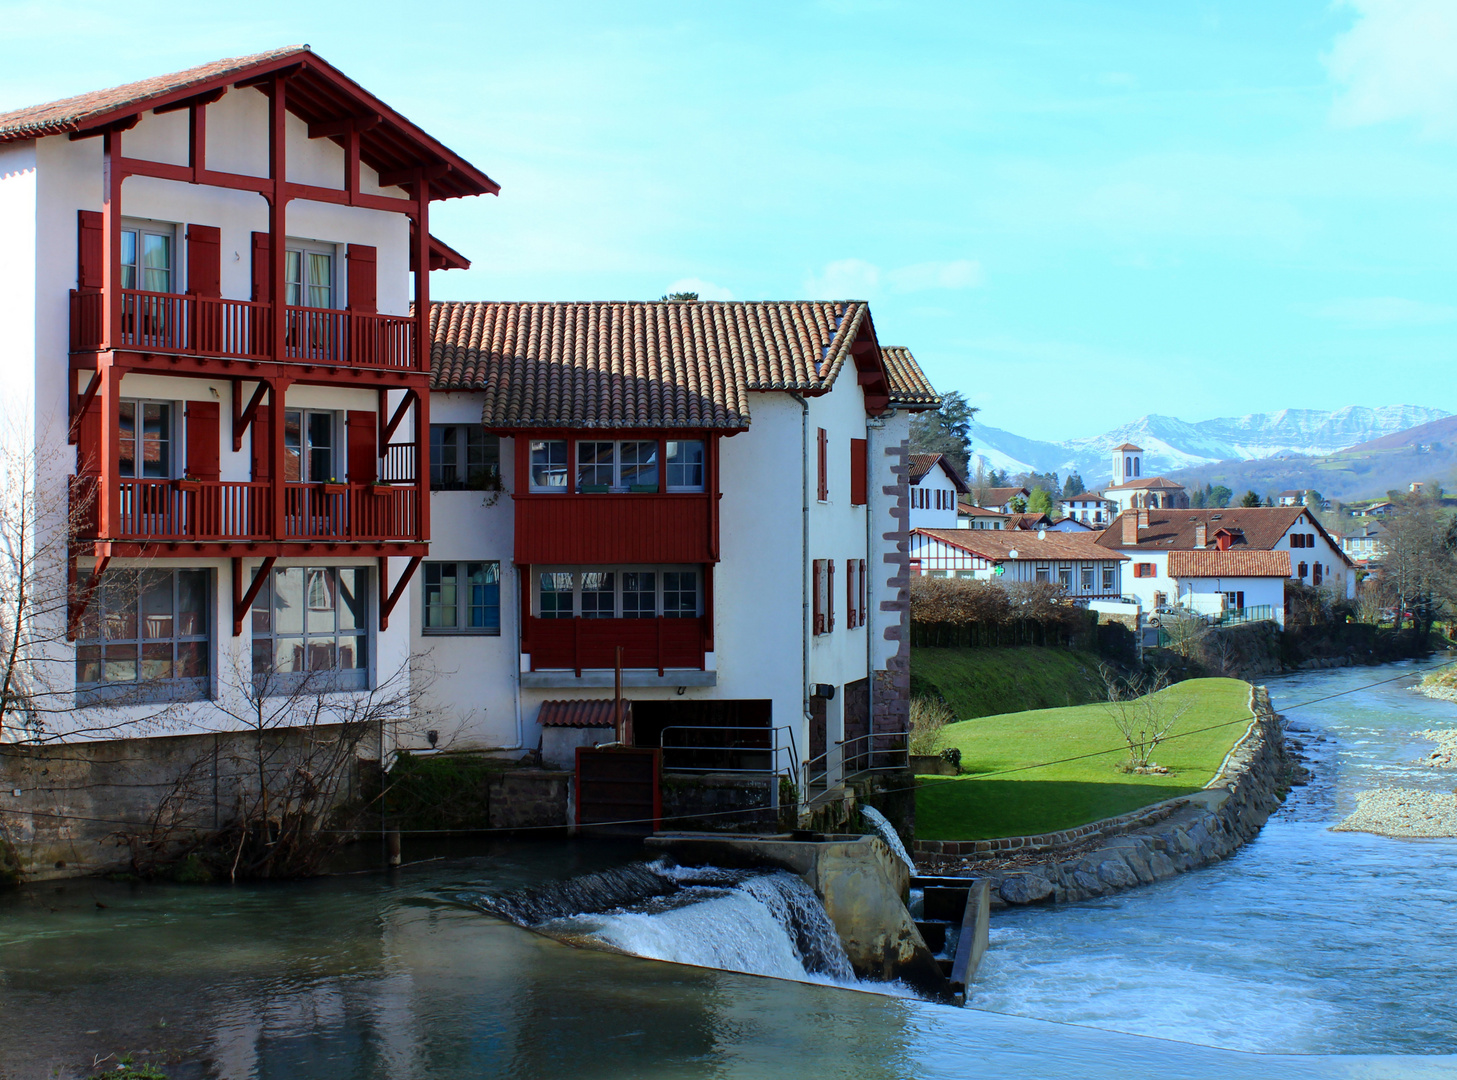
(362, 291)
(261, 248)
(849, 594)
(363, 446)
(89, 259)
(858, 466)
(817, 579)
(262, 466)
(864, 598)
(823, 445)
(830, 596)
(88, 442)
(204, 260)
(202, 440)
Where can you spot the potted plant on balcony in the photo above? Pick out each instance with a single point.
(187, 482)
(333, 486)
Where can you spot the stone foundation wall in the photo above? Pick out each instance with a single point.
(1136, 849)
(726, 803)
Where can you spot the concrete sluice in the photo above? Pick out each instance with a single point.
(826, 909)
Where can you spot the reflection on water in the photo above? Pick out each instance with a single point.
(374, 977)
(1305, 941)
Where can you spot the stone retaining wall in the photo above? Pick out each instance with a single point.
(1157, 842)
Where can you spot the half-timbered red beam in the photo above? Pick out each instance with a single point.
(388, 597)
(242, 601)
(81, 599)
(207, 97)
(79, 412)
(333, 129)
(161, 170)
(243, 418)
(399, 414)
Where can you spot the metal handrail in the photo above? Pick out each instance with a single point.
(810, 774)
(770, 734)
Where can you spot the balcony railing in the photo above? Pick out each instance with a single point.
(225, 511)
(577, 644)
(240, 329)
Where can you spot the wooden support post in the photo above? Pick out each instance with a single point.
(79, 406)
(422, 349)
(388, 433)
(242, 601)
(111, 165)
(243, 417)
(277, 455)
(277, 286)
(388, 598)
(108, 490)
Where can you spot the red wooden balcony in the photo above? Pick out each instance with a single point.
(242, 512)
(615, 528)
(577, 644)
(239, 329)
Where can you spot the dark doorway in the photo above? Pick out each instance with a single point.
(734, 735)
(857, 725)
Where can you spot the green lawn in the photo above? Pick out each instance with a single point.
(980, 682)
(1045, 799)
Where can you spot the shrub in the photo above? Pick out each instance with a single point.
(928, 717)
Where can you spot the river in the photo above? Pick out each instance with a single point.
(1307, 954)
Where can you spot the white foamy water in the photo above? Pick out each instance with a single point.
(886, 831)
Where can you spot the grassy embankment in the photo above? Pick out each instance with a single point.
(1063, 796)
(982, 682)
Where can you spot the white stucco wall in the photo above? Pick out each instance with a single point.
(930, 518)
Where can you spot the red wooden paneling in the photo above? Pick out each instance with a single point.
(204, 260)
(261, 291)
(363, 436)
(615, 529)
(88, 250)
(362, 281)
(581, 644)
(858, 465)
(203, 440)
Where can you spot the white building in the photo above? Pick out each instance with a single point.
(1233, 585)
(1148, 537)
(935, 488)
(1003, 500)
(1130, 489)
(739, 538)
(1075, 561)
(1363, 543)
(1089, 508)
(979, 517)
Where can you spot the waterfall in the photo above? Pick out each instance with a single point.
(754, 921)
(883, 829)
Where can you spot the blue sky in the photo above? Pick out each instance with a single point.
(1073, 213)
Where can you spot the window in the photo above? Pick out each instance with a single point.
(855, 606)
(1108, 579)
(308, 275)
(596, 465)
(310, 628)
(146, 439)
(630, 465)
(822, 442)
(462, 598)
(1315, 574)
(1302, 570)
(1087, 579)
(462, 457)
(145, 638)
(1234, 601)
(619, 593)
(549, 465)
(1145, 569)
(146, 256)
(1065, 576)
(937, 573)
(685, 464)
(1044, 572)
(966, 573)
(308, 446)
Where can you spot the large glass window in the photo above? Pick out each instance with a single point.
(618, 593)
(629, 465)
(146, 439)
(308, 446)
(145, 638)
(549, 465)
(311, 629)
(596, 464)
(463, 456)
(685, 464)
(463, 598)
(309, 277)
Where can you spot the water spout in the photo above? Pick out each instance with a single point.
(886, 831)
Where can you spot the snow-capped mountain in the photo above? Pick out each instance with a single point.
(1170, 444)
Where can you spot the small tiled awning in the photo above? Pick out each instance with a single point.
(581, 714)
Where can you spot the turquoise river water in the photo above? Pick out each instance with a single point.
(1307, 954)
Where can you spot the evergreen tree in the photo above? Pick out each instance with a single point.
(1197, 499)
(1218, 497)
(1250, 499)
(945, 430)
(1072, 486)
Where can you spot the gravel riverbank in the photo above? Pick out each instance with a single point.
(1445, 755)
(1403, 812)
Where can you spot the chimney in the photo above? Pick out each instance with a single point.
(1201, 535)
(1143, 517)
(1130, 529)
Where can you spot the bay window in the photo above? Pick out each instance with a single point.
(603, 466)
(619, 593)
(463, 457)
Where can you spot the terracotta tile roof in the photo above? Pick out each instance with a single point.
(593, 713)
(998, 544)
(634, 363)
(319, 92)
(909, 386)
(1002, 495)
(1127, 446)
(1255, 528)
(1028, 521)
(967, 509)
(1152, 482)
(1234, 563)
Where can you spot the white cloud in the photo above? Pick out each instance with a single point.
(856, 279)
(1396, 63)
(706, 290)
(1384, 311)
